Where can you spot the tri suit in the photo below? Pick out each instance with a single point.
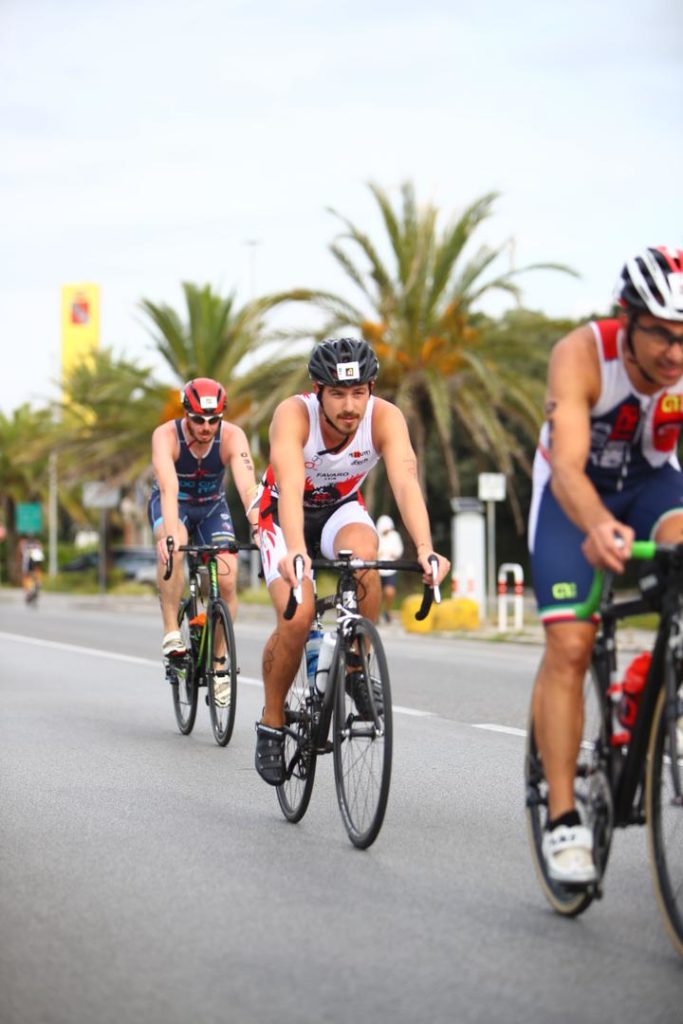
(632, 463)
(202, 505)
(331, 497)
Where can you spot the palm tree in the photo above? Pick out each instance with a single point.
(439, 362)
(23, 463)
(107, 418)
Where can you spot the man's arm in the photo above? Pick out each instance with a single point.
(163, 461)
(573, 388)
(237, 454)
(392, 441)
(288, 434)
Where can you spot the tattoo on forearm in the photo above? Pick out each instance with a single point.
(246, 459)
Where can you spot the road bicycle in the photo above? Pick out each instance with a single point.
(635, 784)
(356, 702)
(32, 591)
(209, 638)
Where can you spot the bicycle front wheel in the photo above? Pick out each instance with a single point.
(183, 676)
(593, 801)
(222, 674)
(664, 812)
(300, 755)
(363, 734)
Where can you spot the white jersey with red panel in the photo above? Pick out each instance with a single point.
(632, 435)
(331, 478)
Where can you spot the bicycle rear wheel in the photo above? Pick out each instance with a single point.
(593, 801)
(183, 676)
(221, 673)
(664, 813)
(363, 735)
(300, 756)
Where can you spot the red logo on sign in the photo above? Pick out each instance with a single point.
(80, 311)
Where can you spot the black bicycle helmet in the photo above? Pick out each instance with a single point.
(343, 362)
(652, 282)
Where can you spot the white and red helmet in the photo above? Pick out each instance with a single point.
(203, 396)
(652, 282)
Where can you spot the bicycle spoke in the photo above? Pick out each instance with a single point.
(222, 674)
(363, 738)
(664, 811)
(300, 758)
(183, 680)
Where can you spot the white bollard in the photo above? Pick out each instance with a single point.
(517, 573)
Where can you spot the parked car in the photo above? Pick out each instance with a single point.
(132, 561)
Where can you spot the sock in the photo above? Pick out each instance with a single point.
(569, 818)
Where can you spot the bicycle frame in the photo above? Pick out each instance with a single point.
(345, 601)
(626, 771)
(192, 601)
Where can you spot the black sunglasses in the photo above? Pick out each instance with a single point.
(196, 418)
(661, 334)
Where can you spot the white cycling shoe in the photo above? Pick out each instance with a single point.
(568, 852)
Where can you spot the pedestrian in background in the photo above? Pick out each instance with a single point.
(390, 548)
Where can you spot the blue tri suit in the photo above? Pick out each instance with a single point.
(632, 463)
(202, 505)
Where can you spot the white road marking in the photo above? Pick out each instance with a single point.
(492, 727)
(132, 659)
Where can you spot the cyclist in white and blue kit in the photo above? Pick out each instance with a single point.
(606, 472)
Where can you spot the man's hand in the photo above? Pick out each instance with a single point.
(286, 567)
(162, 547)
(608, 545)
(443, 568)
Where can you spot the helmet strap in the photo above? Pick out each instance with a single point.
(629, 345)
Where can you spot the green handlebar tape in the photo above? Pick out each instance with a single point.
(642, 550)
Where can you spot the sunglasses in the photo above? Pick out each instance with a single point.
(196, 418)
(662, 335)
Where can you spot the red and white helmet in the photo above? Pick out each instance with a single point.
(652, 282)
(203, 397)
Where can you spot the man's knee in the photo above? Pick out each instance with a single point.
(568, 648)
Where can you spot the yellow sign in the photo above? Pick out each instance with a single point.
(80, 325)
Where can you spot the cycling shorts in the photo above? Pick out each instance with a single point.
(562, 575)
(320, 531)
(210, 523)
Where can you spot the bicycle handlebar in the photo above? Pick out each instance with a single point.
(642, 551)
(431, 592)
(231, 547)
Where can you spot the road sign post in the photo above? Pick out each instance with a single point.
(491, 490)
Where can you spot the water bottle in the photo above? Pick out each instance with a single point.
(634, 683)
(327, 646)
(312, 650)
(625, 696)
(196, 626)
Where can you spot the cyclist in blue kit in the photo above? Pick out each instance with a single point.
(605, 473)
(190, 456)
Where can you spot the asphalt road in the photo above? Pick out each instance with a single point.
(150, 877)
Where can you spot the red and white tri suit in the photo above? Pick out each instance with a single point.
(331, 498)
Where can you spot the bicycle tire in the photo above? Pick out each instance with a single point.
(593, 800)
(184, 678)
(222, 711)
(294, 794)
(363, 741)
(664, 817)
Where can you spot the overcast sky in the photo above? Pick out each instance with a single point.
(148, 142)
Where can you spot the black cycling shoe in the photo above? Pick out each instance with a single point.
(270, 754)
(357, 689)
